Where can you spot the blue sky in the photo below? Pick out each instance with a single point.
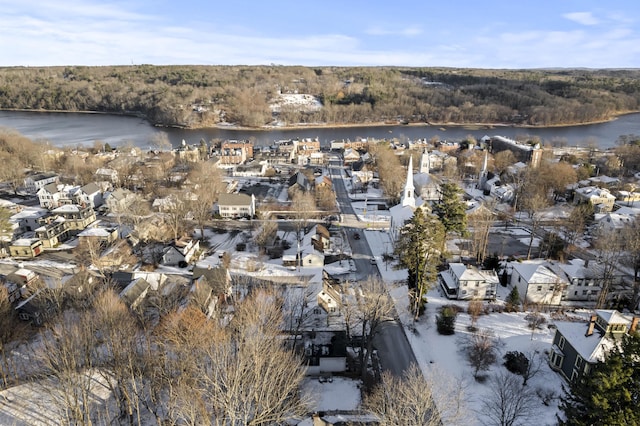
(453, 33)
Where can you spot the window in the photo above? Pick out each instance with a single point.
(561, 342)
(578, 362)
(539, 288)
(556, 360)
(584, 292)
(477, 283)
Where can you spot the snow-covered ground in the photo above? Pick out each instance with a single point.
(440, 356)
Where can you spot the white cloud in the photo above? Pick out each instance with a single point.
(410, 31)
(584, 18)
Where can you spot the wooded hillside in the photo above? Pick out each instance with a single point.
(200, 96)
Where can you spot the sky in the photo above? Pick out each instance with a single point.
(425, 33)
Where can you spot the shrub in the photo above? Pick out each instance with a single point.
(516, 362)
(446, 320)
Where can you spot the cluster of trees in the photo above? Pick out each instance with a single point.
(184, 369)
(199, 96)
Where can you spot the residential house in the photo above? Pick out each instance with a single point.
(613, 223)
(36, 308)
(54, 195)
(25, 248)
(236, 205)
(585, 279)
(181, 252)
(298, 182)
(119, 200)
(53, 232)
(323, 181)
(33, 183)
(578, 346)
(317, 158)
(350, 156)
(628, 198)
(462, 281)
(537, 283)
(29, 218)
(321, 239)
(134, 293)
(89, 195)
(325, 352)
(188, 153)
(76, 217)
(97, 236)
(600, 198)
(210, 286)
(234, 152)
(104, 174)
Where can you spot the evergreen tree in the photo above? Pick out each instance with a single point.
(451, 209)
(610, 392)
(419, 249)
(513, 299)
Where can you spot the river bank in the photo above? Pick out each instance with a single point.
(87, 128)
(311, 126)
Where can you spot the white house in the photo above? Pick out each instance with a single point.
(462, 281)
(89, 195)
(537, 283)
(34, 182)
(183, 250)
(237, 205)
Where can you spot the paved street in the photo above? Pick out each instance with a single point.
(394, 351)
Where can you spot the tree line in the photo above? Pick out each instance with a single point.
(201, 96)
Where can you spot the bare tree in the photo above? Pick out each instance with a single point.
(266, 234)
(368, 306)
(533, 204)
(481, 350)
(475, 309)
(432, 398)
(609, 249)
(67, 368)
(508, 402)
(207, 184)
(480, 223)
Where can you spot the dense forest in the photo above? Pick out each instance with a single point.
(202, 96)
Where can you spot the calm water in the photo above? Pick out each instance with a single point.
(76, 129)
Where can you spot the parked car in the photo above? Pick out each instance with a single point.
(373, 260)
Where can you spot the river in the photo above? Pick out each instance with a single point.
(82, 129)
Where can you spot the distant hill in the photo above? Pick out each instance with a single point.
(255, 96)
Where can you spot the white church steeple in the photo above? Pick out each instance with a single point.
(425, 162)
(408, 195)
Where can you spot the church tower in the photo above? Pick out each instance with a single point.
(484, 172)
(425, 162)
(408, 194)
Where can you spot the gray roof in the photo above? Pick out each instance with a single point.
(234, 200)
(90, 188)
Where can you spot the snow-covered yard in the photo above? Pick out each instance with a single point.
(441, 356)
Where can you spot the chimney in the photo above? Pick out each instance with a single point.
(592, 323)
(634, 325)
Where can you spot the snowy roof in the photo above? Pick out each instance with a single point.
(611, 316)
(67, 208)
(592, 348)
(534, 272)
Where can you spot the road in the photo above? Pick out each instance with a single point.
(394, 351)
